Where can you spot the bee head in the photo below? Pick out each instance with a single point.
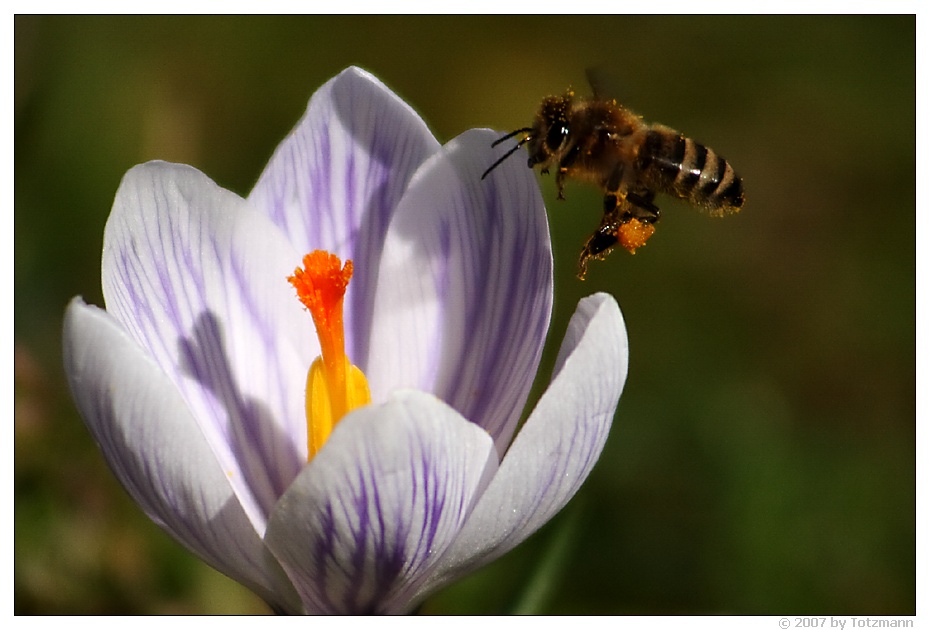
(548, 135)
(550, 130)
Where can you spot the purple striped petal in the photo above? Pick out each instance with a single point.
(335, 181)
(465, 291)
(155, 448)
(368, 518)
(198, 279)
(556, 448)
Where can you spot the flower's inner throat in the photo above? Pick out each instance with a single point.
(334, 386)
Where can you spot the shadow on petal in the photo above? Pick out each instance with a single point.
(152, 442)
(267, 455)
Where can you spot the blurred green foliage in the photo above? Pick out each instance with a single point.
(762, 459)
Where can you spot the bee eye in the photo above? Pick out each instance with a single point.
(556, 136)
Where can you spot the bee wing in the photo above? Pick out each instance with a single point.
(595, 80)
(604, 84)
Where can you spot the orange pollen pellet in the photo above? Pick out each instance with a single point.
(633, 234)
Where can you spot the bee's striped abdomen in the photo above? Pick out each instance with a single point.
(679, 166)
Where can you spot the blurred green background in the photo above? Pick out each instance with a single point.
(762, 458)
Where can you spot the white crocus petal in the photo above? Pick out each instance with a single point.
(465, 286)
(152, 443)
(556, 448)
(366, 521)
(337, 178)
(198, 279)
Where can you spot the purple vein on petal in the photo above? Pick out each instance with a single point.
(505, 275)
(206, 338)
(362, 525)
(505, 265)
(334, 182)
(466, 287)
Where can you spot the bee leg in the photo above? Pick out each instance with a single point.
(617, 211)
(642, 208)
(610, 203)
(564, 164)
(560, 184)
(582, 266)
(601, 242)
(570, 156)
(598, 246)
(612, 185)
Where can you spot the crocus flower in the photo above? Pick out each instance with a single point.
(390, 467)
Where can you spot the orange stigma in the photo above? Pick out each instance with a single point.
(334, 386)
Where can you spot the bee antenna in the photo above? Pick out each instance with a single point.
(513, 149)
(511, 135)
(503, 157)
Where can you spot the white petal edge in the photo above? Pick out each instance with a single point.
(335, 182)
(465, 291)
(366, 521)
(199, 279)
(154, 447)
(557, 446)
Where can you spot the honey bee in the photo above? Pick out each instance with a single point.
(599, 141)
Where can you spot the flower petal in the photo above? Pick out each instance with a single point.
(465, 291)
(556, 448)
(369, 517)
(335, 181)
(152, 443)
(199, 280)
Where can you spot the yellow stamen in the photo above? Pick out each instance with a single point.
(334, 386)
